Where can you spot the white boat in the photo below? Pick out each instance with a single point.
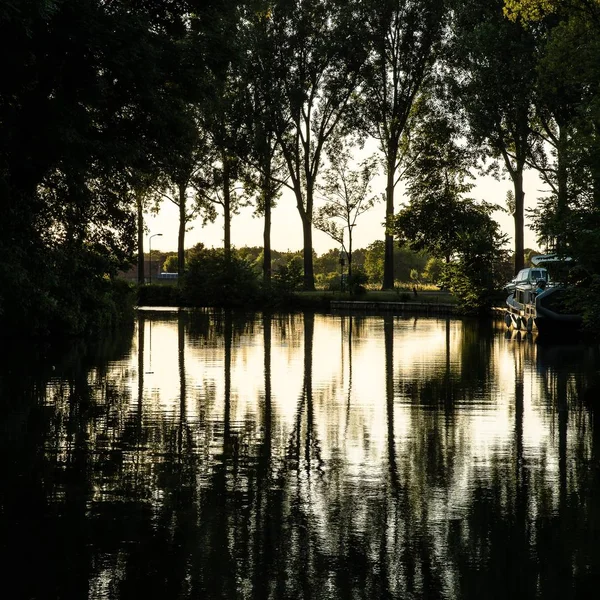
(527, 276)
(546, 311)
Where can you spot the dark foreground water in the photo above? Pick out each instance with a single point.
(206, 455)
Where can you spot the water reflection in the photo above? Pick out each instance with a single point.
(218, 455)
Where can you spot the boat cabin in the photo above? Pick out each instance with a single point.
(524, 295)
(531, 275)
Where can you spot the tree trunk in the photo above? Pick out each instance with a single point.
(181, 236)
(140, 236)
(226, 209)
(519, 219)
(562, 200)
(349, 254)
(309, 278)
(267, 236)
(388, 261)
(306, 218)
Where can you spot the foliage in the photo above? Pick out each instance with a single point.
(288, 278)
(437, 176)
(331, 281)
(214, 278)
(536, 10)
(405, 38)
(405, 259)
(357, 281)
(346, 193)
(84, 91)
(433, 270)
(159, 294)
(170, 264)
(492, 73)
(583, 300)
(473, 274)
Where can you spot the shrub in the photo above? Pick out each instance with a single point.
(158, 294)
(214, 279)
(288, 278)
(357, 282)
(329, 281)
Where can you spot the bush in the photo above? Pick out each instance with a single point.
(288, 278)
(158, 294)
(330, 282)
(357, 282)
(214, 279)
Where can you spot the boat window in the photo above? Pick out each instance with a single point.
(537, 274)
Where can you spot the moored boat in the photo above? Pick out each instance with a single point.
(529, 308)
(545, 311)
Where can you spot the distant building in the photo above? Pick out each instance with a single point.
(153, 267)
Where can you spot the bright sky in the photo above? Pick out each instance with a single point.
(286, 231)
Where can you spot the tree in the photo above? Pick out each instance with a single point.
(475, 248)
(437, 176)
(404, 37)
(317, 60)
(433, 270)
(346, 193)
(492, 76)
(438, 219)
(186, 171)
(214, 278)
(170, 264)
(266, 172)
(79, 80)
(224, 118)
(474, 274)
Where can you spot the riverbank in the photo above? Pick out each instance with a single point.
(423, 301)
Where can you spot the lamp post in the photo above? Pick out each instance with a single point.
(150, 250)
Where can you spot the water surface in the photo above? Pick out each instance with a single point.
(219, 455)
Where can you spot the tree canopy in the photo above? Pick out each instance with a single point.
(103, 104)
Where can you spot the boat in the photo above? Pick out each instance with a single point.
(527, 276)
(546, 311)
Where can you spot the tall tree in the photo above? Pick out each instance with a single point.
(437, 176)
(404, 36)
(266, 174)
(186, 171)
(493, 78)
(224, 116)
(346, 193)
(317, 61)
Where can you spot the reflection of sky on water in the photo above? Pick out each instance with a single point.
(366, 454)
(349, 392)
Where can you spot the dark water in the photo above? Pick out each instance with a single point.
(301, 456)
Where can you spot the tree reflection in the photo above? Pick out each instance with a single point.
(318, 487)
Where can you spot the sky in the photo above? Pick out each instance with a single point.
(286, 231)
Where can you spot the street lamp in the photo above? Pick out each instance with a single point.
(150, 251)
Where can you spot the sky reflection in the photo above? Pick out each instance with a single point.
(310, 456)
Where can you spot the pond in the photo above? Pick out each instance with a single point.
(219, 455)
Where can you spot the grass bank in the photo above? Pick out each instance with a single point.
(169, 295)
